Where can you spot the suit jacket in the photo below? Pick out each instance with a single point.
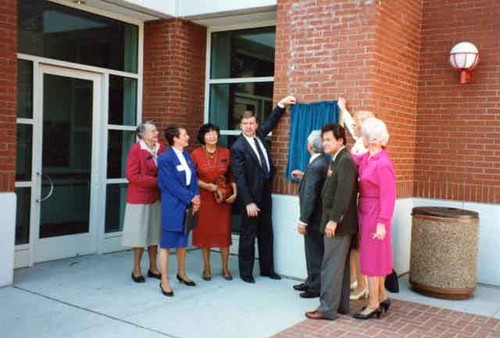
(310, 192)
(339, 195)
(175, 195)
(142, 175)
(248, 173)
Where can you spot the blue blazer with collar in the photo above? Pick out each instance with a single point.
(175, 195)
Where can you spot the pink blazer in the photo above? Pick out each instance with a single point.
(142, 175)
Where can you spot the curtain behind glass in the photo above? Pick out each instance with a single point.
(304, 118)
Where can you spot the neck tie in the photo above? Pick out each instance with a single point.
(262, 158)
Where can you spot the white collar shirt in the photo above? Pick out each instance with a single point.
(183, 166)
(336, 154)
(252, 144)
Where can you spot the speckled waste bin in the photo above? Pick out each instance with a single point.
(444, 245)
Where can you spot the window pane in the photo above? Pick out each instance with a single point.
(24, 152)
(119, 142)
(243, 53)
(229, 101)
(24, 89)
(59, 32)
(115, 206)
(23, 215)
(122, 100)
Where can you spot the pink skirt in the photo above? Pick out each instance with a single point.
(375, 255)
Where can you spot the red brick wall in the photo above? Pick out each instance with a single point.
(174, 73)
(8, 92)
(458, 126)
(394, 85)
(358, 49)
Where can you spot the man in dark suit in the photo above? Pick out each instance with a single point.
(253, 171)
(339, 222)
(310, 214)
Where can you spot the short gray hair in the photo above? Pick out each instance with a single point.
(141, 127)
(375, 131)
(314, 139)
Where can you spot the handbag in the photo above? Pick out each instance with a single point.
(190, 220)
(224, 189)
(391, 282)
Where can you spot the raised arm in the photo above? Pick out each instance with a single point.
(268, 125)
(346, 118)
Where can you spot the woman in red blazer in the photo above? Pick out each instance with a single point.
(141, 227)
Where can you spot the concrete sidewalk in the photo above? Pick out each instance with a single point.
(93, 296)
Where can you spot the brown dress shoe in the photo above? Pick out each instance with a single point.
(316, 315)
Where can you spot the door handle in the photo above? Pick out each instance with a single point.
(51, 187)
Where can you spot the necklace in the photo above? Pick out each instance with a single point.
(211, 158)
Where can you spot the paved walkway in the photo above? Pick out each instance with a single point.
(93, 296)
(404, 319)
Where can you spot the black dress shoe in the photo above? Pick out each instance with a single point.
(300, 287)
(139, 279)
(154, 275)
(309, 294)
(273, 275)
(248, 279)
(185, 282)
(167, 293)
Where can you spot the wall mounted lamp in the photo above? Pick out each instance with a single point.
(464, 56)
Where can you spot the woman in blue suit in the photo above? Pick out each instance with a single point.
(179, 189)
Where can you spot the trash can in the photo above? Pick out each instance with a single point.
(444, 245)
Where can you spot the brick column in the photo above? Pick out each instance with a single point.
(174, 73)
(358, 49)
(8, 92)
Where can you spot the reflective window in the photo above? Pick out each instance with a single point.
(24, 89)
(119, 143)
(228, 102)
(24, 152)
(58, 32)
(23, 215)
(116, 195)
(122, 101)
(242, 53)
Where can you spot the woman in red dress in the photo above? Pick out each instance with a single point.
(217, 193)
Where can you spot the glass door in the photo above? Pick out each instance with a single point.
(67, 155)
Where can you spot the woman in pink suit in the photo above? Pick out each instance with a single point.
(377, 198)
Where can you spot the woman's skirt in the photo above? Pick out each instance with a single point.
(141, 226)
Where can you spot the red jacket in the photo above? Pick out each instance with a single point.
(142, 175)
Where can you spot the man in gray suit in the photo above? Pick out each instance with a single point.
(310, 214)
(339, 222)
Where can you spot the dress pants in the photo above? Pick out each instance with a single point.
(314, 248)
(259, 227)
(335, 280)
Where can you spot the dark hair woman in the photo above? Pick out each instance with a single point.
(179, 190)
(217, 193)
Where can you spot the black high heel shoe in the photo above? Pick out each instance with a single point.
(151, 274)
(375, 313)
(186, 282)
(139, 279)
(385, 305)
(167, 293)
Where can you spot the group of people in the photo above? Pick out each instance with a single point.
(164, 183)
(346, 206)
(341, 193)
